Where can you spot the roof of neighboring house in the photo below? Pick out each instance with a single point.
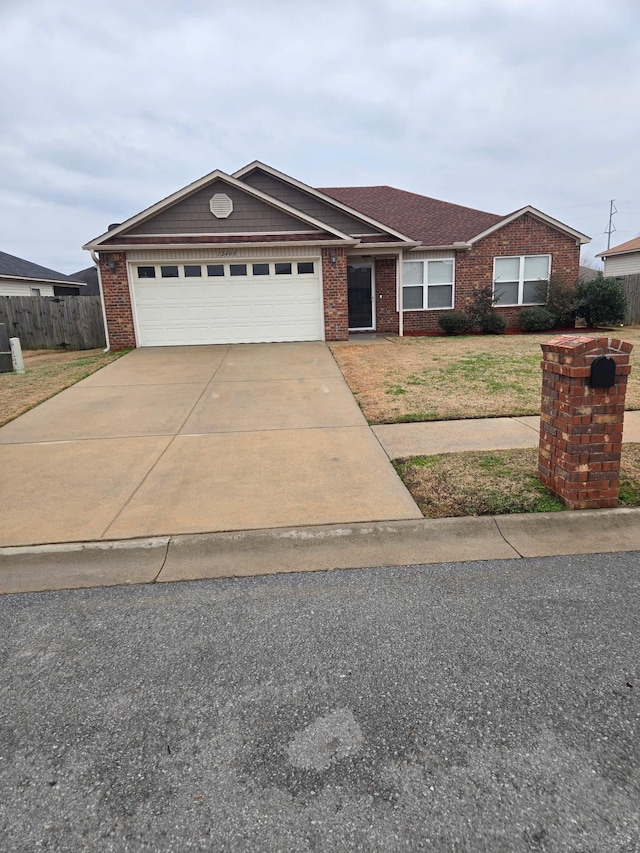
(433, 222)
(90, 277)
(13, 267)
(588, 273)
(629, 246)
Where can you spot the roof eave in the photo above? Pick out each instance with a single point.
(538, 214)
(134, 247)
(608, 253)
(445, 247)
(35, 280)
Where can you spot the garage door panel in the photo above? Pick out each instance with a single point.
(227, 309)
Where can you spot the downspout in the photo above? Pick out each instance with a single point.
(399, 294)
(96, 261)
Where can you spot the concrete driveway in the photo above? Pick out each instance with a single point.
(196, 439)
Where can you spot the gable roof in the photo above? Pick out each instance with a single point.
(109, 237)
(322, 196)
(537, 214)
(14, 267)
(88, 277)
(623, 248)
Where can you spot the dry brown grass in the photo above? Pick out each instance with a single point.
(495, 482)
(445, 378)
(47, 373)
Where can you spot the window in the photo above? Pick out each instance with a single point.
(305, 267)
(261, 269)
(215, 269)
(35, 291)
(238, 269)
(283, 269)
(521, 280)
(427, 285)
(192, 271)
(146, 272)
(169, 272)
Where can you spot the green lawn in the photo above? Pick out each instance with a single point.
(447, 378)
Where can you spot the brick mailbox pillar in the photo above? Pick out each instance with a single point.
(581, 425)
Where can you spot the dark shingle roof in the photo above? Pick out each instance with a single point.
(433, 222)
(12, 266)
(90, 277)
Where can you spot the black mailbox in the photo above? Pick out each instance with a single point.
(603, 372)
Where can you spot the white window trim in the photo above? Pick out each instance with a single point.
(521, 280)
(425, 284)
(226, 264)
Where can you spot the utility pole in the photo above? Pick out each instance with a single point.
(611, 227)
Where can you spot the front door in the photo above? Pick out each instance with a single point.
(360, 296)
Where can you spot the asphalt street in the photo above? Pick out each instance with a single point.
(487, 706)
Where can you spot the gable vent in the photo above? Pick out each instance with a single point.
(221, 206)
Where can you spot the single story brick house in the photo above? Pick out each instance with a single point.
(259, 256)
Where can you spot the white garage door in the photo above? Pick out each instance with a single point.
(227, 302)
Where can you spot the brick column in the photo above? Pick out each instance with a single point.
(334, 289)
(581, 426)
(117, 301)
(387, 318)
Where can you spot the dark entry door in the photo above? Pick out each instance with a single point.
(360, 293)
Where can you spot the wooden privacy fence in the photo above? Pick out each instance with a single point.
(52, 322)
(631, 286)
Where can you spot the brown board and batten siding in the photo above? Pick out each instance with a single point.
(193, 215)
(308, 204)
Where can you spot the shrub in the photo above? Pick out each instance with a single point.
(493, 323)
(601, 301)
(562, 301)
(536, 319)
(453, 322)
(479, 305)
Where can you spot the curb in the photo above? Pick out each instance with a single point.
(251, 553)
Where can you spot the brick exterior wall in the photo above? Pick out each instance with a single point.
(117, 302)
(334, 286)
(525, 236)
(581, 427)
(385, 277)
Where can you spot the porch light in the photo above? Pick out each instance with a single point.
(111, 263)
(334, 258)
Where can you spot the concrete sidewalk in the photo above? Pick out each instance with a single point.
(433, 437)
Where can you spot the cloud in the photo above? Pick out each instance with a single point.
(490, 103)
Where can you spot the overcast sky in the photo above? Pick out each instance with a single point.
(107, 107)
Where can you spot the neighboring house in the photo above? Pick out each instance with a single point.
(24, 278)
(623, 259)
(88, 277)
(260, 256)
(588, 273)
